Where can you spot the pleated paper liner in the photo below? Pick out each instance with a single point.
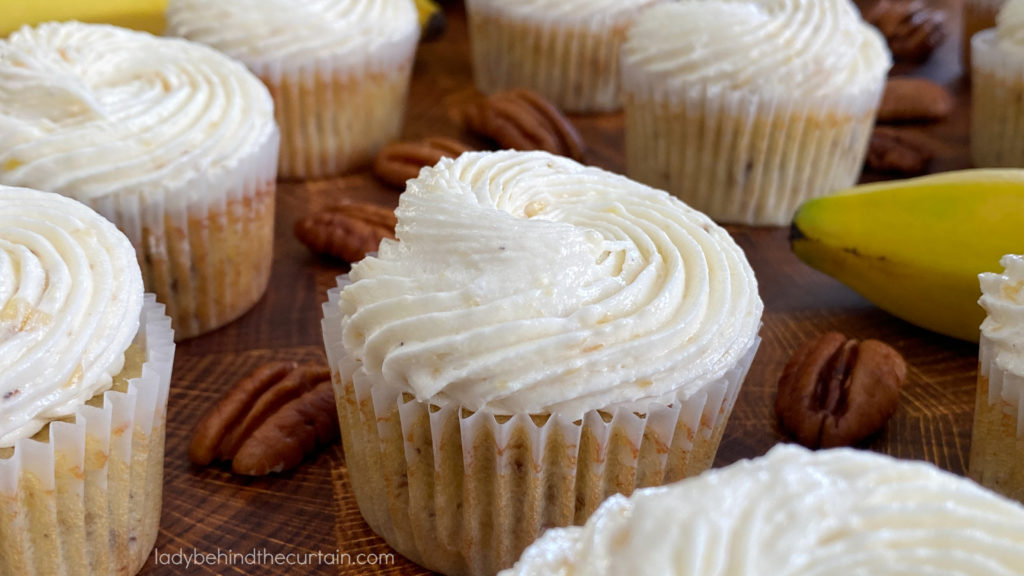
(84, 496)
(574, 64)
(997, 104)
(205, 248)
(997, 438)
(744, 158)
(465, 493)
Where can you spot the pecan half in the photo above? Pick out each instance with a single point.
(347, 231)
(399, 161)
(837, 391)
(896, 151)
(269, 421)
(524, 120)
(909, 99)
(912, 28)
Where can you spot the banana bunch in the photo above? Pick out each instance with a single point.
(915, 247)
(145, 15)
(432, 20)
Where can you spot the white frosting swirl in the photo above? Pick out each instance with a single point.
(791, 512)
(269, 35)
(525, 282)
(793, 49)
(562, 10)
(1002, 297)
(1010, 26)
(70, 298)
(93, 110)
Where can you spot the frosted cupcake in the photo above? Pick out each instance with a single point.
(172, 141)
(540, 336)
(338, 70)
(567, 51)
(997, 91)
(84, 375)
(978, 15)
(997, 441)
(794, 512)
(746, 108)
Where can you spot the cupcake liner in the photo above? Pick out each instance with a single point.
(205, 248)
(335, 116)
(997, 104)
(86, 500)
(978, 15)
(464, 493)
(575, 65)
(744, 158)
(997, 440)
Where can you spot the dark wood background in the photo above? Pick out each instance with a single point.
(209, 510)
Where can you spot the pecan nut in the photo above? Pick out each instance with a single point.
(347, 231)
(837, 391)
(524, 120)
(400, 161)
(914, 100)
(269, 421)
(896, 151)
(913, 29)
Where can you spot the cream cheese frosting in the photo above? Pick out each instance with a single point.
(1002, 297)
(70, 299)
(1010, 26)
(526, 282)
(790, 49)
(269, 35)
(791, 512)
(93, 110)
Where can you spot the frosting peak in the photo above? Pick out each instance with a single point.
(793, 511)
(1002, 297)
(70, 299)
(273, 35)
(802, 49)
(525, 282)
(92, 111)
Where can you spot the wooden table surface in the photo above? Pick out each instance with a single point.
(209, 510)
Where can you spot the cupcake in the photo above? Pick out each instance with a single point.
(541, 335)
(84, 375)
(568, 51)
(338, 70)
(746, 108)
(793, 511)
(172, 141)
(997, 91)
(997, 441)
(978, 15)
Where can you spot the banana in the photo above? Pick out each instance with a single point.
(145, 15)
(432, 20)
(915, 247)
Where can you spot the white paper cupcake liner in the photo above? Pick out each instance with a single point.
(997, 104)
(742, 158)
(335, 115)
(573, 64)
(997, 439)
(465, 493)
(205, 248)
(87, 501)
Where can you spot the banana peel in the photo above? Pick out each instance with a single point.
(915, 247)
(147, 15)
(432, 20)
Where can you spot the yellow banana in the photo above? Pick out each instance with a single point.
(432, 19)
(915, 247)
(145, 15)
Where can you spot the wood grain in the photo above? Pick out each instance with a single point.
(209, 510)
